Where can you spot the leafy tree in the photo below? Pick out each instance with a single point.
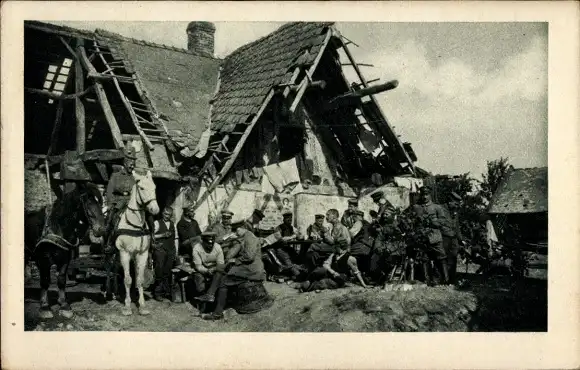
(496, 170)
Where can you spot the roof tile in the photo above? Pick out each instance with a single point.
(252, 70)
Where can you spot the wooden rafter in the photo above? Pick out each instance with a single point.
(127, 105)
(386, 133)
(102, 96)
(55, 96)
(79, 106)
(307, 80)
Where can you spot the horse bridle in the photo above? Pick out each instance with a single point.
(143, 203)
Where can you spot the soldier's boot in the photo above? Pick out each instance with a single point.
(441, 266)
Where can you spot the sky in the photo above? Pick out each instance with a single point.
(468, 92)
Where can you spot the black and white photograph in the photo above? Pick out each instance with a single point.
(151, 148)
(299, 188)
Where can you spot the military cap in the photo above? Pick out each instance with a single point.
(455, 196)
(227, 213)
(287, 214)
(318, 217)
(353, 201)
(208, 234)
(129, 152)
(376, 196)
(425, 189)
(358, 212)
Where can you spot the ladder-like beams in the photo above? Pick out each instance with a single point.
(126, 103)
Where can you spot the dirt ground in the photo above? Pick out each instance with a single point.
(494, 305)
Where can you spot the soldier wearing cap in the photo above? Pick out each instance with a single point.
(435, 218)
(224, 230)
(348, 215)
(188, 232)
(283, 252)
(119, 192)
(316, 230)
(452, 236)
(208, 265)
(318, 251)
(362, 239)
(339, 268)
(164, 253)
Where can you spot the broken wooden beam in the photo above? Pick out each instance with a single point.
(102, 96)
(370, 90)
(66, 44)
(359, 64)
(384, 133)
(317, 84)
(56, 96)
(79, 106)
(308, 78)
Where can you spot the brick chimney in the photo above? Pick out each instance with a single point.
(200, 38)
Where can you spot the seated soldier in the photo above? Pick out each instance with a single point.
(320, 251)
(188, 232)
(283, 252)
(348, 217)
(208, 266)
(224, 231)
(244, 273)
(336, 271)
(362, 240)
(316, 230)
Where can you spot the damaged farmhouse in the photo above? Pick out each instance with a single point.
(274, 119)
(263, 183)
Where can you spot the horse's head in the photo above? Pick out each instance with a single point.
(146, 195)
(92, 203)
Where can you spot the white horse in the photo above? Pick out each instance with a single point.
(134, 238)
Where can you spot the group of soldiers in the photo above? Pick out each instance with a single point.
(351, 249)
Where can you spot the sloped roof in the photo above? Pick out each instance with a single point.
(252, 70)
(179, 83)
(523, 190)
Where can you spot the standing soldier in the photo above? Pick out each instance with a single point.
(164, 254)
(452, 236)
(384, 230)
(119, 192)
(434, 218)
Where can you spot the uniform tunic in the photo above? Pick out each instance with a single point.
(250, 265)
(187, 229)
(119, 188)
(315, 232)
(439, 220)
(347, 219)
(164, 254)
(221, 231)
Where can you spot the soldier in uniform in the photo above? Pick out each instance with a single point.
(384, 245)
(452, 236)
(434, 218)
(316, 230)
(118, 194)
(223, 231)
(348, 217)
(164, 254)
